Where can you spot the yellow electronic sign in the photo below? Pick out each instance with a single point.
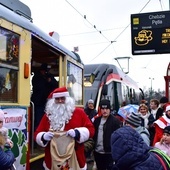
(150, 33)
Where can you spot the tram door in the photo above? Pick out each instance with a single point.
(42, 55)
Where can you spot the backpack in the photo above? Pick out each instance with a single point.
(164, 158)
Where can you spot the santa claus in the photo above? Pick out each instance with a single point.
(62, 115)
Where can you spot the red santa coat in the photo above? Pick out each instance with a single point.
(79, 121)
(160, 124)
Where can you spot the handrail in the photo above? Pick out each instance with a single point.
(32, 127)
(37, 158)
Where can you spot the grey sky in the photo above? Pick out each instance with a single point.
(111, 17)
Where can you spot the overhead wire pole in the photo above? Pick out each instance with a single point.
(151, 86)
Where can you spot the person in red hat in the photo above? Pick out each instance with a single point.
(62, 115)
(160, 124)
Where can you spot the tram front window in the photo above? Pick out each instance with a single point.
(9, 56)
(74, 82)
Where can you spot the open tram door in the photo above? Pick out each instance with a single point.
(42, 53)
(167, 82)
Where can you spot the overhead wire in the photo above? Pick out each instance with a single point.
(94, 26)
(121, 31)
(91, 32)
(84, 16)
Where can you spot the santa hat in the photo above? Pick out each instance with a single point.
(59, 92)
(168, 108)
(1, 115)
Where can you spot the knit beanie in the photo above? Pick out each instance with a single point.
(166, 129)
(163, 100)
(105, 104)
(134, 120)
(1, 115)
(91, 101)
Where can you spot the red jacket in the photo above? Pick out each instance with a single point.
(160, 124)
(79, 119)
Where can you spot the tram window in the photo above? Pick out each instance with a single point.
(134, 95)
(111, 95)
(119, 93)
(124, 92)
(74, 82)
(9, 47)
(9, 56)
(8, 85)
(128, 91)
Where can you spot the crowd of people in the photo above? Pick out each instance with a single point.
(142, 131)
(70, 135)
(114, 145)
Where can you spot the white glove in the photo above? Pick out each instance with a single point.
(48, 136)
(93, 119)
(71, 133)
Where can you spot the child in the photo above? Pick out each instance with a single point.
(164, 143)
(6, 156)
(4, 130)
(7, 144)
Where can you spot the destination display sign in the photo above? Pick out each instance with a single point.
(150, 33)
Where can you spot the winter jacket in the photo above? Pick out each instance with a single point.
(130, 152)
(6, 159)
(90, 112)
(111, 124)
(160, 124)
(164, 147)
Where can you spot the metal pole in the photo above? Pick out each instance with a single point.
(151, 85)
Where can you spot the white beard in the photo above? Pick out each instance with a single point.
(59, 114)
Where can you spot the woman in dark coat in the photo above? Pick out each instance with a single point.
(130, 152)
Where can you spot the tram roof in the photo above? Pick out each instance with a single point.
(91, 68)
(27, 24)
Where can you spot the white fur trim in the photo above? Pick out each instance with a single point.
(39, 141)
(84, 168)
(167, 108)
(84, 134)
(160, 123)
(44, 165)
(166, 118)
(62, 94)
